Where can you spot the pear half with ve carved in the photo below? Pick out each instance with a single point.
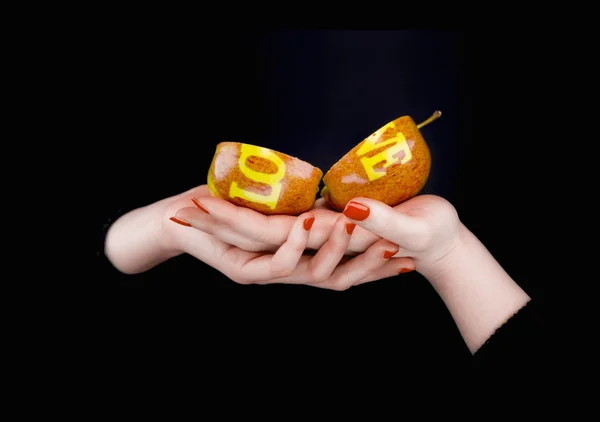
(392, 165)
(263, 179)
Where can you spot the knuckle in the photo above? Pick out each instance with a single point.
(296, 246)
(227, 219)
(248, 245)
(421, 239)
(340, 241)
(281, 271)
(319, 278)
(340, 286)
(240, 279)
(389, 224)
(263, 231)
(262, 237)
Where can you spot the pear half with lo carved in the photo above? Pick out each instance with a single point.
(263, 179)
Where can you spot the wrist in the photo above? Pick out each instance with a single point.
(138, 241)
(437, 266)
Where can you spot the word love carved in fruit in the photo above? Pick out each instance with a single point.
(262, 179)
(389, 156)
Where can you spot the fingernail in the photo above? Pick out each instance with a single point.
(404, 270)
(350, 227)
(196, 203)
(356, 211)
(389, 254)
(178, 221)
(308, 223)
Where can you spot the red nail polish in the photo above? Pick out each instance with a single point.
(404, 270)
(178, 221)
(308, 223)
(356, 211)
(350, 227)
(196, 203)
(389, 254)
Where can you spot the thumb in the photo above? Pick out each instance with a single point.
(407, 231)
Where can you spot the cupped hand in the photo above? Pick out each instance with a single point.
(252, 231)
(426, 228)
(327, 268)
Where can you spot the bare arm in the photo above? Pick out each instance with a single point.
(477, 291)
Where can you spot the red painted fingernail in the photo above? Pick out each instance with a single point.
(404, 270)
(350, 227)
(308, 223)
(356, 211)
(196, 203)
(178, 221)
(389, 254)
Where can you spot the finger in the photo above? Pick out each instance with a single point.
(270, 268)
(183, 199)
(205, 223)
(393, 267)
(252, 231)
(324, 262)
(268, 230)
(359, 268)
(410, 232)
(359, 242)
(251, 224)
(197, 215)
(197, 192)
(287, 256)
(205, 248)
(321, 203)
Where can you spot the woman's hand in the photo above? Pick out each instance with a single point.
(252, 231)
(478, 292)
(327, 268)
(147, 236)
(426, 228)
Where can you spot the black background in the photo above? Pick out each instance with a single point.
(315, 94)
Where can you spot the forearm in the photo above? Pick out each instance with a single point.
(136, 242)
(477, 291)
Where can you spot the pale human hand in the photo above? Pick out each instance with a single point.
(428, 233)
(253, 231)
(480, 295)
(426, 228)
(148, 236)
(328, 268)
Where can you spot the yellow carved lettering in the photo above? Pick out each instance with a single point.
(388, 155)
(273, 180)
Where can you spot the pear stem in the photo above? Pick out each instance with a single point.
(433, 117)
